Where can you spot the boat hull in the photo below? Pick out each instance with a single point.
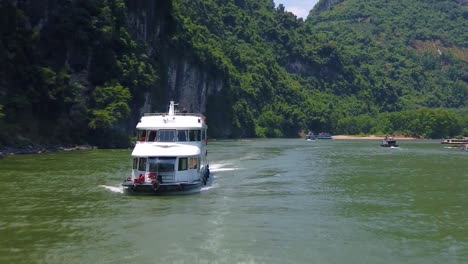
(158, 188)
(388, 146)
(162, 189)
(388, 143)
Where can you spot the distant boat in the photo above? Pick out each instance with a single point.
(311, 136)
(324, 136)
(389, 142)
(456, 142)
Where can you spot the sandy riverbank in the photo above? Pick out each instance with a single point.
(371, 137)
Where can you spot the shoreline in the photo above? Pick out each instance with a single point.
(372, 137)
(11, 151)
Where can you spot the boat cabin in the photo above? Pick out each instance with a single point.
(163, 169)
(389, 142)
(171, 135)
(170, 151)
(455, 141)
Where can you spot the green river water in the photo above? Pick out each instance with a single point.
(271, 201)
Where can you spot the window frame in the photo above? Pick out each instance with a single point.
(141, 133)
(194, 135)
(150, 133)
(164, 131)
(186, 135)
(193, 163)
(181, 164)
(142, 162)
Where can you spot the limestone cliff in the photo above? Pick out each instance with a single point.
(183, 78)
(64, 53)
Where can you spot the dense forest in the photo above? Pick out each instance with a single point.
(83, 71)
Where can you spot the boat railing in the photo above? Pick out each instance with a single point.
(167, 177)
(176, 114)
(454, 141)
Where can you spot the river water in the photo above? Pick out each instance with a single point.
(271, 201)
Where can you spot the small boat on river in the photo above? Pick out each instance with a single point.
(311, 136)
(170, 154)
(389, 142)
(324, 135)
(455, 142)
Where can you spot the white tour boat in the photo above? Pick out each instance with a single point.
(170, 154)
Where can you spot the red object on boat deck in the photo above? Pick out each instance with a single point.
(151, 175)
(141, 178)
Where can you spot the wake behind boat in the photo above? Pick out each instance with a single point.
(170, 155)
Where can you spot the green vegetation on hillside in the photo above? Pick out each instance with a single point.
(360, 58)
(76, 72)
(63, 80)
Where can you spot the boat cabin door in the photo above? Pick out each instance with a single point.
(163, 167)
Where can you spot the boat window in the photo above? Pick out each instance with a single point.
(166, 164)
(181, 135)
(193, 164)
(135, 163)
(167, 135)
(142, 164)
(165, 167)
(141, 135)
(152, 135)
(194, 135)
(182, 164)
(153, 164)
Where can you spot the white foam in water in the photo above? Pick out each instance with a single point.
(206, 188)
(217, 167)
(224, 169)
(113, 188)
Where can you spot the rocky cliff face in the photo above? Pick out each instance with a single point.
(183, 79)
(191, 84)
(151, 23)
(62, 53)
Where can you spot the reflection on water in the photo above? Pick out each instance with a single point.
(269, 201)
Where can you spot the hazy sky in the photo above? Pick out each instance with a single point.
(300, 8)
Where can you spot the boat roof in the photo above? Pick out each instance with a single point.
(150, 149)
(172, 120)
(175, 121)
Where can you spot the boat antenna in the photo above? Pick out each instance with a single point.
(171, 108)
